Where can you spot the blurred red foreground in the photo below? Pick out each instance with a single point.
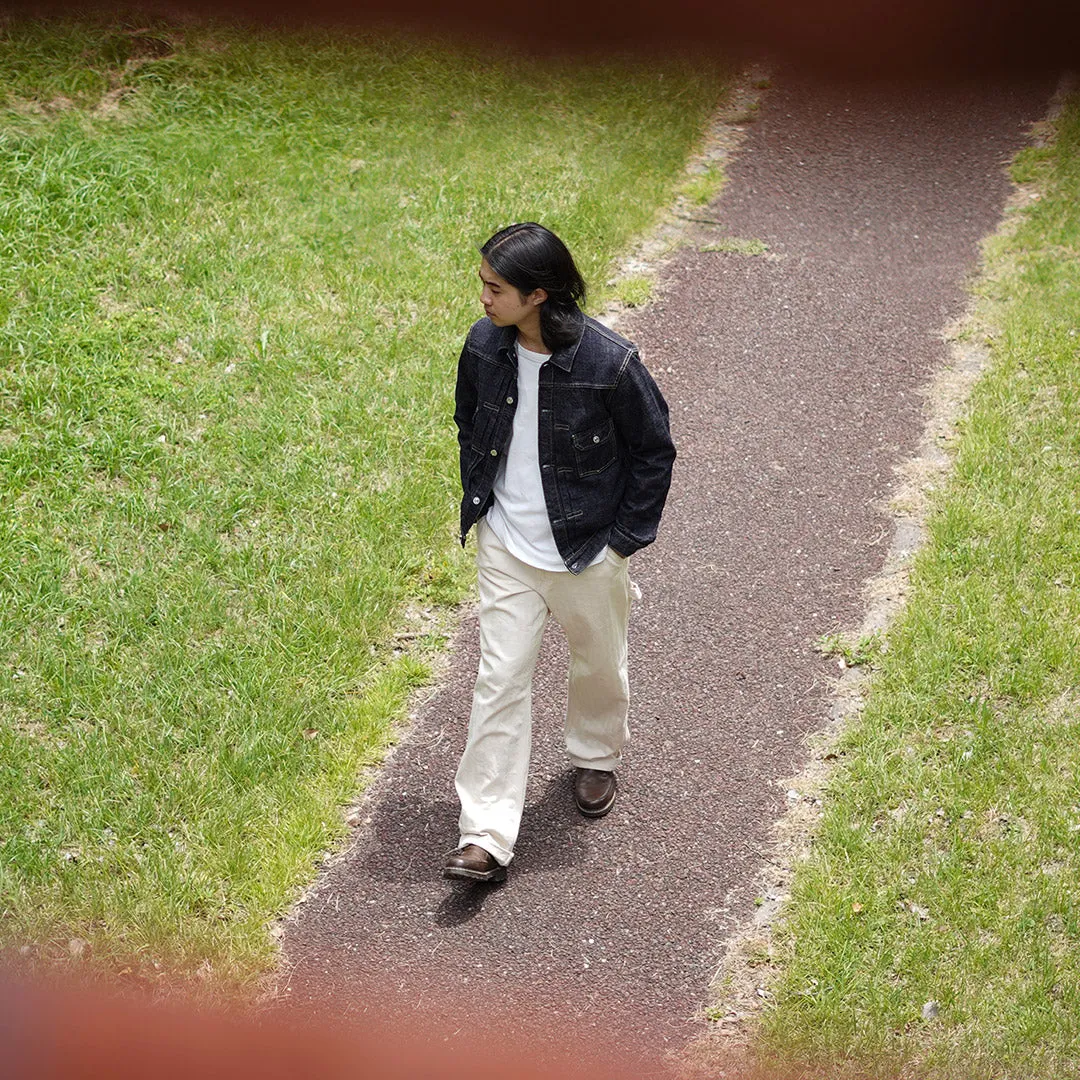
(87, 1034)
(50, 1034)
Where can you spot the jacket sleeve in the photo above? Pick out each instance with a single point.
(465, 395)
(641, 420)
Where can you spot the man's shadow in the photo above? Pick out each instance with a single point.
(551, 838)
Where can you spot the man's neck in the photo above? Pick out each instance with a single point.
(529, 336)
(533, 346)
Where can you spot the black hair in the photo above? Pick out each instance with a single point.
(531, 257)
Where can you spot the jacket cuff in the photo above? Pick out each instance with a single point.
(622, 543)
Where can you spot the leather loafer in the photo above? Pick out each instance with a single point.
(594, 791)
(472, 863)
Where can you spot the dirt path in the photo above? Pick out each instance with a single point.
(794, 382)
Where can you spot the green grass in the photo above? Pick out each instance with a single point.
(700, 188)
(854, 653)
(947, 865)
(737, 246)
(634, 290)
(237, 268)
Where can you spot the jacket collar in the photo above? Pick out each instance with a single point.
(561, 358)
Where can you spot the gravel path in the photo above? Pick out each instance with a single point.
(794, 383)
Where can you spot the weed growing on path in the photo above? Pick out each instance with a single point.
(700, 188)
(737, 246)
(238, 266)
(851, 653)
(634, 291)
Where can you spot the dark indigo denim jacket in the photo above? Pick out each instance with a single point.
(605, 445)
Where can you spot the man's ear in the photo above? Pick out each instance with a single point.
(537, 297)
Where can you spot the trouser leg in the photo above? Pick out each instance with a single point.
(494, 768)
(593, 610)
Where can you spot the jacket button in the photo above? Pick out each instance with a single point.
(494, 453)
(509, 401)
(476, 500)
(596, 438)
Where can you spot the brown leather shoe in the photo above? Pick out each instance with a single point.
(473, 863)
(594, 791)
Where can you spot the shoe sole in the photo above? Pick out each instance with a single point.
(598, 811)
(459, 873)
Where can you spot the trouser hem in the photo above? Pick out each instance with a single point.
(497, 851)
(608, 764)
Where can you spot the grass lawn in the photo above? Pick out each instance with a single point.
(237, 269)
(935, 929)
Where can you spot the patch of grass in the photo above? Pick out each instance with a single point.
(854, 653)
(954, 822)
(1031, 164)
(634, 290)
(238, 266)
(700, 188)
(737, 246)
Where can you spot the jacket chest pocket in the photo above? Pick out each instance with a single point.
(595, 449)
(484, 422)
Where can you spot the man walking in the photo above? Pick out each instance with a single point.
(566, 461)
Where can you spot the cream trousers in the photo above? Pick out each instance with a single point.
(515, 601)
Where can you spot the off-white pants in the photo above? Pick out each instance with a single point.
(515, 600)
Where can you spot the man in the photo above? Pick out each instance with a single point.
(566, 461)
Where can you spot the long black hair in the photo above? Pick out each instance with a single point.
(531, 257)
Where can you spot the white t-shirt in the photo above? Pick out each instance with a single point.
(519, 516)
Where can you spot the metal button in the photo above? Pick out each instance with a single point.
(476, 500)
(596, 438)
(509, 401)
(494, 453)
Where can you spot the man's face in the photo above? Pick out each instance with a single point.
(503, 304)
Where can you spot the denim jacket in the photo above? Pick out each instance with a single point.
(605, 446)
